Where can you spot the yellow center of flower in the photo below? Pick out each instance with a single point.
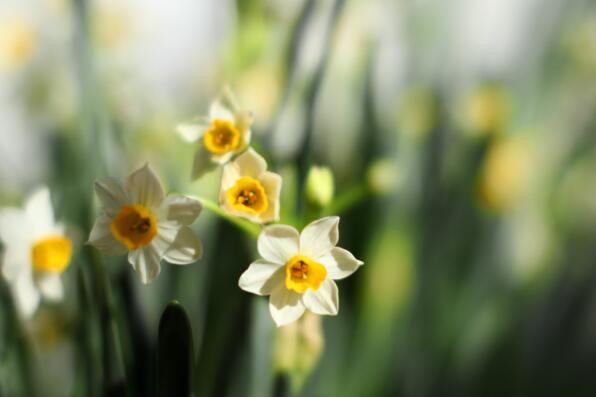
(303, 273)
(51, 254)
(248, 195)
(221, 137)
(135, 226)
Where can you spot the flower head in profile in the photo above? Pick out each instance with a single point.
(248, 190)
(219, 137)
(139, 219)
(36, 252)
(297, 270)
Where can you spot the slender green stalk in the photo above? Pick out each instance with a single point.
(348, 199)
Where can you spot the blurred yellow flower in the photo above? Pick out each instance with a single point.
(487, 109)
(298, 269)
(225, 133)
(505, 173)
(18, 41)
(137, 217)
(248, 190)
(36, 252)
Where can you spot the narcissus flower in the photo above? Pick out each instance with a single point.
(250, 191)
(225, 133)
(139, 219)
(298, 270)
(36, 252)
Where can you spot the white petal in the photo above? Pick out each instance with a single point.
(181, 209)
(231, 174)
(223, 107)
(285, 306)
(16, 260)
(272, 184)
(50, 286)
(219, 112)
(340, 263)
(15, 236)
(325, 300)
(186, 248)
(244, 120)
(278, 243)
(145, 261)
(228, 100)
(166, 234)
(202, 162)
(101, 237)
(26, 296)
(191, 132)
(40, 213)
(251, 164)
(222, 158)
(111, 194)
(14, 225)
(319, 237)
(143, 187)
(262, 277)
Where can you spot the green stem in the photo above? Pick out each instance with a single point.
(251, 229)
(348, 199)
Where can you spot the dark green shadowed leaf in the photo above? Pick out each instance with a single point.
(175, 353)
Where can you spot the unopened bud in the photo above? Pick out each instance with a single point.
(320, 186)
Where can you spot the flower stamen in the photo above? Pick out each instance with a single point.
(303, 273)
(134, 226)
(51, 254)
(248, 195)
(221, 137)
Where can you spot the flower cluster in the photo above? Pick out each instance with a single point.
(137, 218)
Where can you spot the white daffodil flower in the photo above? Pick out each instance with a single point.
(297, 270)
(248, 190)
(36, 252)
(137, 217)
(225, 133)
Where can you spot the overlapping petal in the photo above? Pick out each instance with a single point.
(251, 163)
(143, 187)
(101, 237)
(285, 306)
(278, 243)
(185, 249)
(319, 237)
(340, 263)
(145, 261)
(111, 195)
(324, 300)
(261, 277)
(181, 209)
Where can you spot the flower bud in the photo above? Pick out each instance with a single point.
(298, 347)
(320, 186)
(383, 176)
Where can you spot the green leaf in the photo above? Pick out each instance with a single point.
(175, 353)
